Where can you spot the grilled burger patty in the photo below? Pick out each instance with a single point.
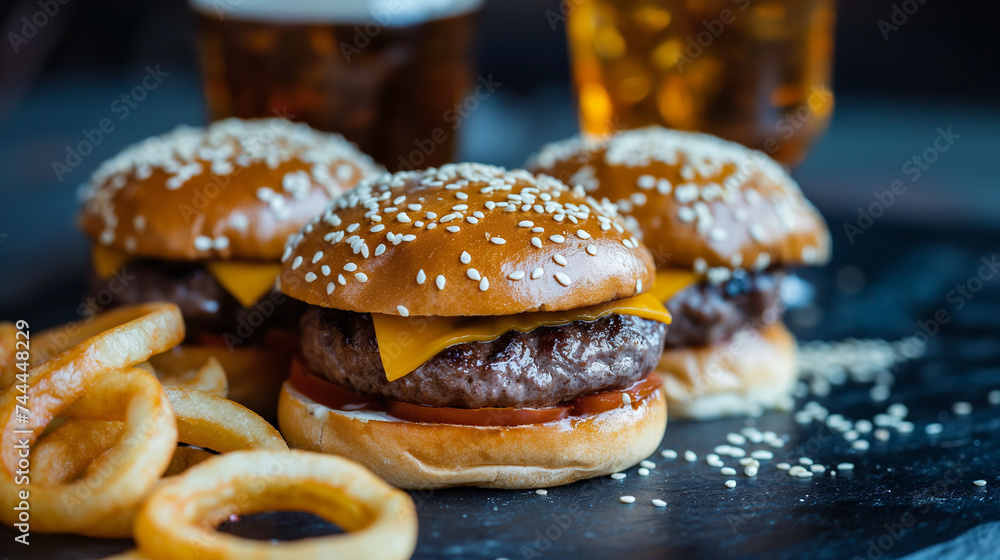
(544, 367)
(705, 313)
(206, 305)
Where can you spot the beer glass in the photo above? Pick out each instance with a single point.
(753, 71)
(389, 75)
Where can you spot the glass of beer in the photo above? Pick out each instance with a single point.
(387, 74)
(753, 71)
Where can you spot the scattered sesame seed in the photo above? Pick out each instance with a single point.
(473, 274)
(961, 408)
(350, 267)
(541, 492)
(659, 503)
(979, 482)
(317, 256)
(618, 476)
(647, 463)
(466, 258)
(730, 484)
(526, 224)
(453, 229)
(627, 499)
(762, 454)
(560, 260)
(783, 466)
(498, 240)
(557, 238)
(536, 242)
(817, 468)
(643, 471)
(993, 397)
(439, 281)
(626, 399)
(898, 410)
(805, 461)
(690, 456)
(668, 454)
(297, 263)
(934, 429)
(341, 279)
(736, 439)
(565, 281)
(845, 467)
(727, 471)
(421, 276)
(592, 250)
(484, 285)
(537, 273)
(750, 470)
(582, 234)
(861, 445)
(882, 434)
(403, 312)
(380, 249)
(516, 275)
(330, 287)
(638, 286)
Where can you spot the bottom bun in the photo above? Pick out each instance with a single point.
(416, 455)
(753, 371)
(255, 374)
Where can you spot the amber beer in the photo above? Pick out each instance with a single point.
(384, 73)
(756, 72)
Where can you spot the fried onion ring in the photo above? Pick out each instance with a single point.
(179, 368)
(179, 518)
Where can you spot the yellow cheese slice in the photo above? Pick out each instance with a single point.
(107, 260)
(248, 282)
(405, 343)
(669, 282)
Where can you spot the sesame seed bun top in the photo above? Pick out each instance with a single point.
(700, 201)
(234, 190)
(462, 240)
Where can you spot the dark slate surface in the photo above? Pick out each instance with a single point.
(910, 495)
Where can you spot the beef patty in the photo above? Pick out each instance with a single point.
(544, 367)
(707, 313)
(206, 305)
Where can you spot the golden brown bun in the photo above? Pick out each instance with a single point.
(235, 190)
(384, 247)
(755, 370)
(696, 196)
(417, 455)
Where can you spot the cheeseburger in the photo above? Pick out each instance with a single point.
(469, 325)
(723, 223)
(199, 217)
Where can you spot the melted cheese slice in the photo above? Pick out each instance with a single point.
(669, 282)
(248, 282)
(405, 343)
(107, 260)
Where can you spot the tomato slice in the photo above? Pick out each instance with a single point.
(476, 416)
(608, 400)
(329, 394)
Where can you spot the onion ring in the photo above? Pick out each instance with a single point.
(8, 347)
(128, 469)
(178, 519)
(179, 368)
(186, 457)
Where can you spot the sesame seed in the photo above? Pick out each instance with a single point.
(762, 454)
(643, 471)
(498, 240)
(806, 461)
(626, 399)
(516, 275)
(484, 285)
(668, 454)
(659, 503)
(536, 242)
(526, 224)
(560, 260)
(466, 258)
(750, 470)
(979, 482)
(453, 229)
(638, 286)
(961, 408)
(817, 468)
(297, 263)
(934, 429)
(557, 238)
(618, 476)
(537, 273)
(592, 250)
(341, 279)
(330, 287)
(565, 281)
(730, 484)
(993, 397)
(403, 312)
(540, 491)
(736, 439)
(361, 277)
(845, 467)
(377, 228)
(350, 267)
(783, 466)
(352, 228)
(727, 471)
(473, 274)
(317, 256)
(325, 269)
(647, 463)
(690, 456)
(421, 276)
(380, 249)
(439, 281)
(627, 499)
(582, 234)
(537, 229)
(311, 277)
(861, 445)
(472, 219)
(202, 243)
